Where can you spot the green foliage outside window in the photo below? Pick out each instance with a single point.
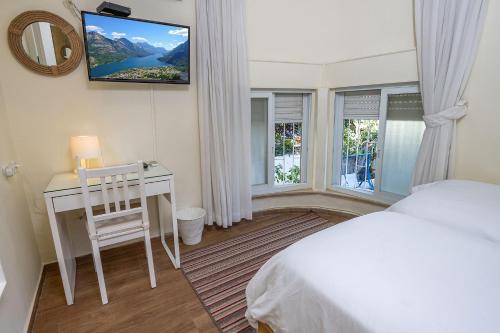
(290, 177)
(286, 135)
(287, 141)
(359, 135)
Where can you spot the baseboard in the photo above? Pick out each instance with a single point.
(34, 303)
(47, 263)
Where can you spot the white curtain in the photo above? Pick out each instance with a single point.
(447, 36)
(224, 109)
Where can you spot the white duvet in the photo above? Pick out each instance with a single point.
(384, 272)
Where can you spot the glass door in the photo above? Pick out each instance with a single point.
(402, 134)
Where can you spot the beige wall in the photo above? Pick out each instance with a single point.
(478, 152)
(292, 44)
(325, 31)
(272, 74)
(19, 256)
(130, 119)
(388, 68)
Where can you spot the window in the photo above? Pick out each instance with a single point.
(279, 132)
(376, 139)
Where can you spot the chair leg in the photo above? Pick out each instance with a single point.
(98, 269)
(149, 255)
(93, 260)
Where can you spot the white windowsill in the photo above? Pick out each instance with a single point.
(383, 198)
(263, 190)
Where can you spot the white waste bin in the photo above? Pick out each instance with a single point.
(191, 222)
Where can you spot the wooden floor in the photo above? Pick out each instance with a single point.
(133, 306)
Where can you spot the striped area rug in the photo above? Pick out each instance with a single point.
(220, 273)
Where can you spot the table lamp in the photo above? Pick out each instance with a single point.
(85, 148)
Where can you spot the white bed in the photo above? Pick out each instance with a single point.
(383, 272)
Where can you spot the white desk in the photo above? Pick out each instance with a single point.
(64, 194)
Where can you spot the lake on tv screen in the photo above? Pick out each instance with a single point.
(134, 50)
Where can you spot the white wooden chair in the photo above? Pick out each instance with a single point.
(119, 225)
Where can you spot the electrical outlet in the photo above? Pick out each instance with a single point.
(10, 169)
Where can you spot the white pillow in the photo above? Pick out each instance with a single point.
(473, 207)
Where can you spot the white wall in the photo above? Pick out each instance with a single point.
(19, 256)
(130, 119)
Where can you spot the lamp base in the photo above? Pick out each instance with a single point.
(87, 163)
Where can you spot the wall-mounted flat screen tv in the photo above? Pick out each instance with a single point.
(125, 49)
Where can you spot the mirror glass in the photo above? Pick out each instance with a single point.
(46, 44)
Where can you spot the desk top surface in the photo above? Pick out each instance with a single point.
(70, 180)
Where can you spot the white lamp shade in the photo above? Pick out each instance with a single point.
(85, 147)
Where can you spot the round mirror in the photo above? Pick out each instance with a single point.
(45, 43)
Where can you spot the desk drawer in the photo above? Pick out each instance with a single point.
(75, 201)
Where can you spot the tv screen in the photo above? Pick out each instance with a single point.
(125, 49)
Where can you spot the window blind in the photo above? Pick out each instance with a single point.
(405, 107)
(362, 104)
(288, 108)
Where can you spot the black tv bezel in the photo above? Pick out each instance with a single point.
(131, 80)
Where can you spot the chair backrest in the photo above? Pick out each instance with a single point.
(114, 183)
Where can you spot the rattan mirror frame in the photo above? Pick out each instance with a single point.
(15, 32)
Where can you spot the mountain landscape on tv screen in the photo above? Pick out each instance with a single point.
(119, 58)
